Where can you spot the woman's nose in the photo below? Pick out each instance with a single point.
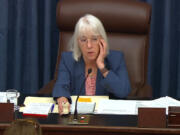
(89, 44)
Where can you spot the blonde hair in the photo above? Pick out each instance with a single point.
(24, 127)
(87, 22)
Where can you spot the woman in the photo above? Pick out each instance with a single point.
(90, 50)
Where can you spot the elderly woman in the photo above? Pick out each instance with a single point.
(90, 50)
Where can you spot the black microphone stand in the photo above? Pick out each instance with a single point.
(74, 120)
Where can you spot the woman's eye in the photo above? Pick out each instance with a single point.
(83, 40)
(94, 39)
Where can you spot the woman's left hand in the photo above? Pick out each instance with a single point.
(102, 54)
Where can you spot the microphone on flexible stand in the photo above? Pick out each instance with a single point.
(74, 119)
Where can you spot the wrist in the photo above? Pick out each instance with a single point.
(103, 70)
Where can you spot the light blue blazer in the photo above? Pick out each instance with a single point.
(71, 76)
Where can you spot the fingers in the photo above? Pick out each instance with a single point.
(102, 53)
(66, 108)
(61, 101)
(103, 47)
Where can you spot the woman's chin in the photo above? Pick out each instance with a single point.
(92, 58)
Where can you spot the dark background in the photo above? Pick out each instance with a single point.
(29, 42)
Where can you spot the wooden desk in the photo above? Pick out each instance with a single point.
(99, 125)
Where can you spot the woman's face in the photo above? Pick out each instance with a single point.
(89, 45)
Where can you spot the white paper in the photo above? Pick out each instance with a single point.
(163, 102)
(38, 108)
(116, 107)
(131, 106)
(83, 107)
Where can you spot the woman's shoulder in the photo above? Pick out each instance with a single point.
(67, 56)
(115, 54)
(114, 59)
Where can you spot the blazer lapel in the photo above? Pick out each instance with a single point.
(99, 87)
(80, 76)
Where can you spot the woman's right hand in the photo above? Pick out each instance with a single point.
(102, 54)
(61, 101)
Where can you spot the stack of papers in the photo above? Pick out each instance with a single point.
(38, 109)
(116, 107)
(130, 107)
(163, 102)
(100, 105)
(83, 107)
(95, 99)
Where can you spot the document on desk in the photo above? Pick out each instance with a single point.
(41, 109)
(117, 107)
(95, 99)
(83, 107)
(163, 102)
(130, 107)
(38, 100)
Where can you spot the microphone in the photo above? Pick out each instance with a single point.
(75, 111)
